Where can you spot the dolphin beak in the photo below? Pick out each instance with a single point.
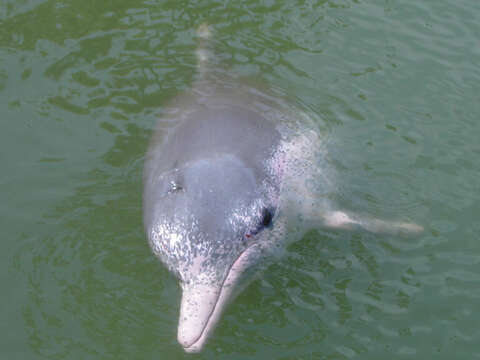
(204, 302)
(199, 309)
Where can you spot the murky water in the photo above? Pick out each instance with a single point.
(395, 88)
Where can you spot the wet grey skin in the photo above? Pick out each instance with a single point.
(225, 188)
(211, 198)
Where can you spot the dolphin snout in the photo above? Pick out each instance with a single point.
(203, 302)
(196, 310)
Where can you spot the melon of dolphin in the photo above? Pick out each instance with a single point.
(226, 188)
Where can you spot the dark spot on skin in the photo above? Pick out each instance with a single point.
(175, 187)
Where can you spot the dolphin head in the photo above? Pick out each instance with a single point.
(208, 222)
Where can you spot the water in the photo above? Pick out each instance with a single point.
(395, 87)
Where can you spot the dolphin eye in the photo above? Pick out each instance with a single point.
(267, 217)
(266, 221)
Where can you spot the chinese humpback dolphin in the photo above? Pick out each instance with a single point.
(227, 184)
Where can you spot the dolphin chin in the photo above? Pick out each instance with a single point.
(204, 302)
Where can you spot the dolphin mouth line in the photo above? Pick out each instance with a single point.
(228, 280)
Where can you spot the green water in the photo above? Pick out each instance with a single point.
(395, 86)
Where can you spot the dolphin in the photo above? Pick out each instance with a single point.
(227, 186)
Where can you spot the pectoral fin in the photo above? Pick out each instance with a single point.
(343, 220)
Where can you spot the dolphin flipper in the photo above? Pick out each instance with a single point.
(316, 210)
(349, 221)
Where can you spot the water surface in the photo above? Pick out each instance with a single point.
(395, 89)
